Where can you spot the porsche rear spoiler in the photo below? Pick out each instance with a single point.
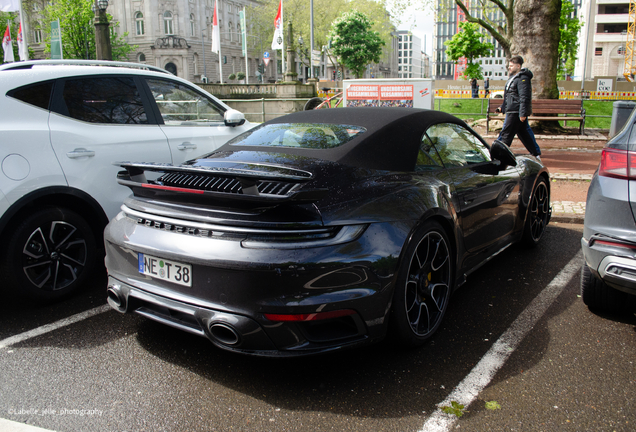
(220, 181)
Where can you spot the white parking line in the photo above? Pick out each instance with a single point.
(53, 326)
(11, 426)
(481, 375)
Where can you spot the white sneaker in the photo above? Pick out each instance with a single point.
(538, 157)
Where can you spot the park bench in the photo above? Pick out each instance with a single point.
(545, 109)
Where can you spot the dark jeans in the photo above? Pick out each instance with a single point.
(513, 126)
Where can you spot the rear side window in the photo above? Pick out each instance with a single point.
(104, 100)
(300, 135)
(38, 95)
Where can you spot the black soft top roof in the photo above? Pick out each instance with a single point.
(391, 141)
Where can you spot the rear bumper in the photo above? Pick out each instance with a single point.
(237, 288)
(614, 265)
(236, 332)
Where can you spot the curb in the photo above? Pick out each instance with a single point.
(567, 218)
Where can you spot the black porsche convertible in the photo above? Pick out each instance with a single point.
(321, 230)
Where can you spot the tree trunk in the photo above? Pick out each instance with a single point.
(536, 39)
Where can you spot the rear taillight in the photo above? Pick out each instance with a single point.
(618, 164)
(316, 316)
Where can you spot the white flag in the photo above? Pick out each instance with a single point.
(22, 46)
(7, 46)
(277, 42)
(216, 33)
(9, 5)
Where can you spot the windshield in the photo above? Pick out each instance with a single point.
(299, 135)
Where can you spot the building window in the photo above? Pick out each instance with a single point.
(37, 35)
(141, 57)
(167, 23)
(192, 26)
(229, 29)
(139, 22)
(598, 51)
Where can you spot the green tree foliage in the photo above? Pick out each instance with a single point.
(570, 25)
(78, 31)
(354, 42)
(261, 20)
(467, 43)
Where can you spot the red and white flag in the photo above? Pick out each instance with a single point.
(22, 47)
(216, 33)
(7, 46)
(277, 42)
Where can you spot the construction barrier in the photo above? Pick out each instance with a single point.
(591, 95)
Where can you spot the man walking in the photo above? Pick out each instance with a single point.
(486, 88)
(517, 106)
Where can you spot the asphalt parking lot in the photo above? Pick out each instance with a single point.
(516, 334)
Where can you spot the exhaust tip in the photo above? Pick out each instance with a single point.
(116, 299)
(224, 334)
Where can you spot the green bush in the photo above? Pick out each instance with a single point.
(240, 75)
(232, 77)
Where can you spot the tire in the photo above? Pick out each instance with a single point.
(599, 297)
(538, 214)
(313, 103)
(50, 254)
(423, 286)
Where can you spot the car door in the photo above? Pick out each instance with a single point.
(193, 123)
(97, 120)
(487, 197)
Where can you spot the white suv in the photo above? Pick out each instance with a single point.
(62, 125)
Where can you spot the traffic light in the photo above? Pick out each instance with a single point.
(261, 68)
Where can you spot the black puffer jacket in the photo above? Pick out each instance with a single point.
(518, 94)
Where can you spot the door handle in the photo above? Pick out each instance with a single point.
(80, 152)
(469, 197)
(186, 146)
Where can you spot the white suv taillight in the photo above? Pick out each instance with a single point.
(618, 164)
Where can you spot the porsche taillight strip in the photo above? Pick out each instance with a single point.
(172, 188)
(317, 316)
(171, 224)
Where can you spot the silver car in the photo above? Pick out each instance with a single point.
(608, 278)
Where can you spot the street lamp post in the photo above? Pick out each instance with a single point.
(102, 36)
(301, 42)
(204, 78)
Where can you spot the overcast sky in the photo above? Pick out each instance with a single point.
(420, 23)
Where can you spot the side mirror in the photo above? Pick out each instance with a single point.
(233, 118)
(501, 152)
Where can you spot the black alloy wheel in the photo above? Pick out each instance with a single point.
(51, 253)
(424, 286)
(538, 214)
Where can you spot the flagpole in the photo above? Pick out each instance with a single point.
(244, 28)
(220, 59)
(282, 25)
(25, 45)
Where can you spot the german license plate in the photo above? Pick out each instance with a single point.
(164, 269)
